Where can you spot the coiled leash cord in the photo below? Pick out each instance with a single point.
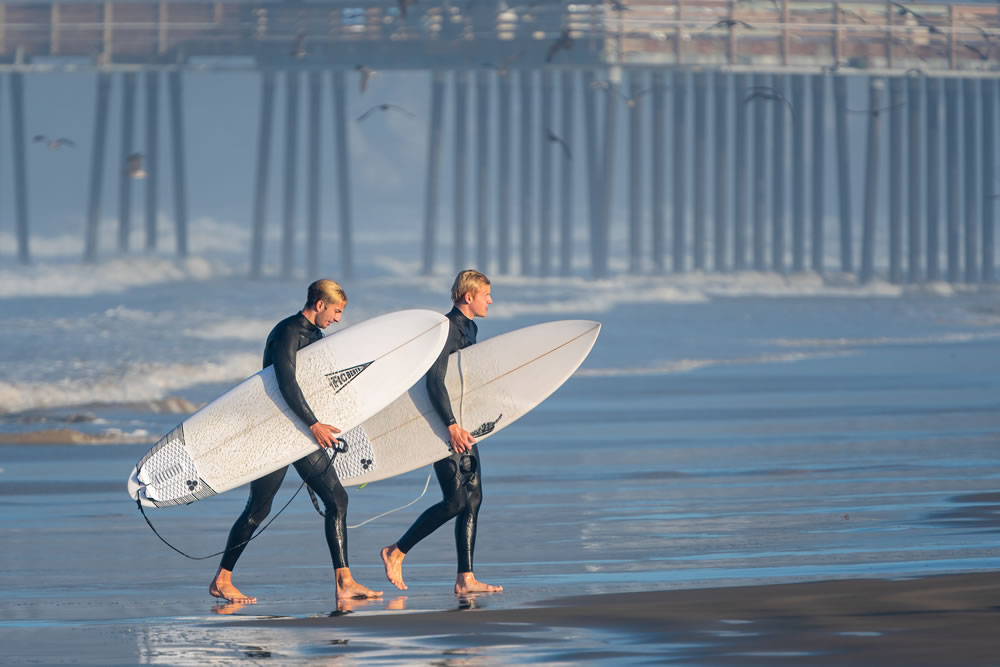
(339, 448)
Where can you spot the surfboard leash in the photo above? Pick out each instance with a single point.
(138, 503)
(379, 516)
(341, 448)
(461, 414)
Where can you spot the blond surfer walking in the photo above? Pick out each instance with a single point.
(458, 474)
(325, 303)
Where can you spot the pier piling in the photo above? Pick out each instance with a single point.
(875, 87)
(179, 164)
(19, 144)
(262, 168)
(124, 175)
(152, 161)
(97, 165)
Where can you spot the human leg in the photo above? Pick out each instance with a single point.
(318, 472)
(465, 526)
(257, 508)
(435, 516)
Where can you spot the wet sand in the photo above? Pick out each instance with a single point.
(938, 620)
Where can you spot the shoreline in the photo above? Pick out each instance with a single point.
(933, 620)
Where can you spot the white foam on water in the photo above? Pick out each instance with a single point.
(957, 337)
(80, 279)
(186, 336)
(205, 235)
(130, 383)
(247, 329)
(689, 365)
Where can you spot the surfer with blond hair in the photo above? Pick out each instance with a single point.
(325, 303)
(458, 474)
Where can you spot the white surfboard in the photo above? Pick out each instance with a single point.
(249, 431)
(491, 385)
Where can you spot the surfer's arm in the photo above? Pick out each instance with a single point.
(436, 389)
(460, 439)
(285, 347)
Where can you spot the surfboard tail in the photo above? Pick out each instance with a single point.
(167, 475)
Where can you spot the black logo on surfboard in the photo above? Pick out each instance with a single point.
(340, 379)
(486, 428)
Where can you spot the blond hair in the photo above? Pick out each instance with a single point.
(327, 291)
(468, 281)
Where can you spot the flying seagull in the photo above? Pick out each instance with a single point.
(876, 112)
(504, 68)
(983, 55)
(729, 23)
(134, 166)
(987, 35)
(552, 136)
(848, 12)
(54, 143)
(563, 42)
(384, 107)
(299, 50)
(629, 101)
(766, 93)
(921, 19)
(366, 75)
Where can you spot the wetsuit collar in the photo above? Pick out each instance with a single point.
(467, 326)
(306, 324)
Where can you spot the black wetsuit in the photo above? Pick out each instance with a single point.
(285, 340)
(457, 474)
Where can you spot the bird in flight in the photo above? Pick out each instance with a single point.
(766, 93)
(563, 42)
(53, 144)
(848, 12)
(987, 35)
(552, 136)
(384, 107)
(921, 19)
(629, 101)
(876, 112)
(503, 69)
(366, 75)
(729, 23)
(983, 55)
(299, 50)
(133, 165)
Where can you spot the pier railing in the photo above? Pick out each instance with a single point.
(753, 34)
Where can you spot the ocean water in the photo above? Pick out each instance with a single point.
(725, 430)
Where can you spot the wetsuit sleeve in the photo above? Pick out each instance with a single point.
(435, 380)
(283, 350)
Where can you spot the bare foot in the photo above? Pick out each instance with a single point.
(348, 588)
(392, 558)
(466, 582)
(222, 587)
